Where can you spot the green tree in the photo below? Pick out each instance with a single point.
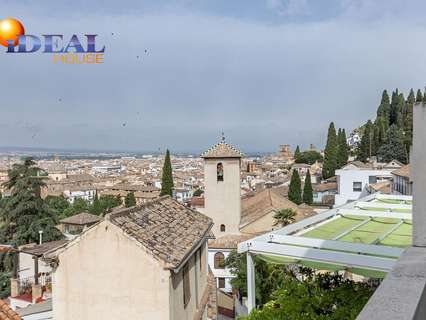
(295, 188)
(308, 195)
(393, 114)
(25, 213)
(167, 176)
(297, 153)
(407, 125)
(419, 96)
(130, 200)
(342, 149)
(309, 157)
(96, 207)
(315, 297)
(330, 153)
(197, 193)
(58, 204)
(393, 146)
(78, 206)
(284, 217)
(268, 277)
(383, 111)
(109, 202)
(365, 148)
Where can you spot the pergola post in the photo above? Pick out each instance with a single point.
(251, 286)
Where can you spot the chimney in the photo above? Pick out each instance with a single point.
(418, 172)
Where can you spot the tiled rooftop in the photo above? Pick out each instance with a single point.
(166, 228)
(6, 313)
(222, 150)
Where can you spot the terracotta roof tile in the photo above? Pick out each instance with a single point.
(82, 218)
(43, 248)
(166, 228)
(6, 313)
(403, 171)
(265, 201)
(222, 150)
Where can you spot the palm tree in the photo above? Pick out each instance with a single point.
(285, 217)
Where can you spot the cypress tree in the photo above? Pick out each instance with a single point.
(384, 108)
(295, 188)
(130, 200)
(400, 108)
(408, 121)
(330, 153)
(343, 149)
(394, 107)
(393, 147)
(419, 96)
(308, 195)
(297, 153)
(365, 147)
(411, 98)
(167, 176)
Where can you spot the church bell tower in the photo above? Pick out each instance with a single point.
(222, 190)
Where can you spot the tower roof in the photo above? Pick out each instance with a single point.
(222, 150)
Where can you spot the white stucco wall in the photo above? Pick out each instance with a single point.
(105, 275)
(221, 273)
(26, 266)
(346, 177)
(223, 198)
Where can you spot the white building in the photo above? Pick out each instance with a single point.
(219, 250)
(104, 169)
(182, 194)
(354, 178)
(87, 193)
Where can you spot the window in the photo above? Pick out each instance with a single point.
(219, 168)
(357, 186)
(221, 283)
(222, 228)
(219, 260)
(372, 179)
(186, 285)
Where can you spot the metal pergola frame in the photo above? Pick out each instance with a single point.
(289, 242)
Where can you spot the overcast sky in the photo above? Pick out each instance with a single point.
(266, 72)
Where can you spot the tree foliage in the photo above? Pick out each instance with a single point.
(25, 213)
(297, 154)
(365, 148)
(393, 146)
(309, 157)
(397, 112)
(308, 194)
(167, 176)
(342, 148)
(295, 188)
(130, 200)
(315, 297)
(284, 217)
(198, 192)
(330, 153)
(289, 292)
